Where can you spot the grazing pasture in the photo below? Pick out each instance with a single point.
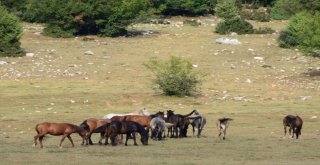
(256, 83)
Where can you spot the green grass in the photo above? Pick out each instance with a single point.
(114, 80)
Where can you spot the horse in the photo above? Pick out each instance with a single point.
(158, 126)
(90, 125)
(57, 129)
(294, 123)
(198, 123)
(179, 123)
(222, 124)
(142, 112)
(129, 128)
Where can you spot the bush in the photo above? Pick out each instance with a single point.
(192, 23)
(226, 9)
(10, 33)
(184, 7)
(303, 31)
(263, 30)
(284, 9)
(174, 77)
(287, 40)
(17, 7)
(258, 15)
(234, 25)
(79, 17)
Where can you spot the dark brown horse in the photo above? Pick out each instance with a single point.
(294, 123)
(90, 125)
(223, 124)
(129, 128)
(180, 123)
(57, 129)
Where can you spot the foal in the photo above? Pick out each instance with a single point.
(222, 124)
(294, 123)
(57, 129)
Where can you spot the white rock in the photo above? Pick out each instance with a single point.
(195, 66)
(259, 58)
(234, 34)
(89, 52)
(227, 41)
(29, 54)
(251, 50)
(304, 98)
(314, 117)
(3, 62)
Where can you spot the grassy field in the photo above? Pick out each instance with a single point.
(61, 84)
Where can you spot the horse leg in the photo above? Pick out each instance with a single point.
(106, 136)
(285, 130)
(224, 133)
(193, 130)
(62, 139)
(40, 141)
(134, 139)
(127, 138)
(70, 139)
(35, 140)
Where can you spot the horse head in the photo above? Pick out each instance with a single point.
(144, 139)
(170, 113)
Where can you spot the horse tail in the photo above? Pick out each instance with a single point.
(189, 114)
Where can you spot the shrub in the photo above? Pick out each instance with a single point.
(226, 9)
(79, 17)
(287, 40)
(10, 33)
(17, 7)
(192, 22)
(234, 25)
(174, 77)
(284, 9)
(258, 15)
(303, 31)
(184, 7)
(263, 30)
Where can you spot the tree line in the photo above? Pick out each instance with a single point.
(111, 18)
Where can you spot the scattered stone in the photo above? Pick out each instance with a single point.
(304, 98)
(89, 52)
(234, 34)
(29, 54)
(259, 58)
(3, 62)
(227, 41)
(314, 117)
(251, 50)
(195, 66)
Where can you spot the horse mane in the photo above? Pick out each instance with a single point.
(84, 125)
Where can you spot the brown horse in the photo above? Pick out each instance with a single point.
(90, 125)
(222, 124)
(57, 129)
(294, 123)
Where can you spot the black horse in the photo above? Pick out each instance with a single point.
(129, 128)
(180, 123)
(294, 123)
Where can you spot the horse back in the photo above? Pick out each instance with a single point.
(55, 128)
(142, 120)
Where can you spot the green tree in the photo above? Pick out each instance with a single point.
(303, 31)
(174, 77)
(10, 33)
(82, 17)
(184, 7)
